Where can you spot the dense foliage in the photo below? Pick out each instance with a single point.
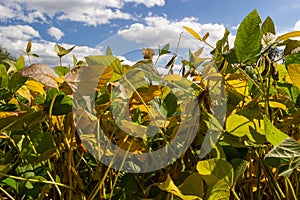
(257, 155)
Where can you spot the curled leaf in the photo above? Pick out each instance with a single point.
(41, 73)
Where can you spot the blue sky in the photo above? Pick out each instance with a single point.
(87, 24)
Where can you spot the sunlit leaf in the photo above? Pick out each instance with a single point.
(8, 114)
(61, 51)
(172, 77)
(164, 50)
(289, 35)
(268, 26)
(108, 51)
(192, 32)
(294, 72)
(213, 170)
(170, 187)
(248, 39)
(273, 135)
(219, 191)
(20, 63)
(61, 71)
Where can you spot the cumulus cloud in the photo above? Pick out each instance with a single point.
(17, 33)
(14, 39)
(55, 32)
(92, 12)
(297, 26)
(159, 30)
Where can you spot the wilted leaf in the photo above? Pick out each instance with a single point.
(205, 36)
(288, 35)
(288, 152)
(41, 73)
(28, 48)
(8, 114)
(192, 32)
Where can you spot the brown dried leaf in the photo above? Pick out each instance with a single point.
(41, 73)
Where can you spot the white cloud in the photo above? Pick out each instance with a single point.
(92, 12)
(14, 39)
(149, 3)
(297, 26)
(55, 32)
(159, 30)
(17, 33)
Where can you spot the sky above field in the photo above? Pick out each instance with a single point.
(127, 25)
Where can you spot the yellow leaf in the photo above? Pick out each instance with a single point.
(294, 72)
(172, 77)
(192, 32)
(25, 92)
(274, 104)
(170, 187)
(8, 114)
(35, 87)
(288, 35)
(237, 82)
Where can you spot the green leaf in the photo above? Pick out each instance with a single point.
(294, 72)
(239, 167)
(169, 186)
(213, 170)
(164, 50)
(169, 105)
(11, 183)
(108, 51)
(20, 63)
(19, 122)
(268, 26)
(292, 59)
(61, 51)
(273, 135)
(108, 61)
(28, 48)
(62, 103)
(61, 71)
(290, 46)
(219, 191)
(240, 125)
(192, 32)
(193, 185)
(40, 141)
(248, 39)
(2, 70)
